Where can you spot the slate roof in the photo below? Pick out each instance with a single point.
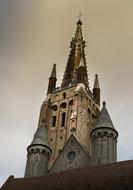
(40, 136)
(117, 176)
(104, 119)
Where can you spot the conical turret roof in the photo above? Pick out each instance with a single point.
(104, 119)
(40, 136)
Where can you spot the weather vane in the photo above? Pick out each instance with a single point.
(80, 15)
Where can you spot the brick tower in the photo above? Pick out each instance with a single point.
(71, 111)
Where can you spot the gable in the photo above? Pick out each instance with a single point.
(72, 156)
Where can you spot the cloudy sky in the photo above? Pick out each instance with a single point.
(34, 34)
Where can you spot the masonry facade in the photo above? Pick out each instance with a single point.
(73, 131)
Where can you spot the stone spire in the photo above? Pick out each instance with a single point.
(53, 73)
(52, 80)
(104, 139)
(96, 90)
(77, 54)
(96, 82)
(38, 153)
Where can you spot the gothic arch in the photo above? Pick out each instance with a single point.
(71, 103)
(54, 107)
(63, 105)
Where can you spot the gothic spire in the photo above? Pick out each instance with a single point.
(78, 33)
(52, 80)
(96, 82)
(53, 73)
(77, 54)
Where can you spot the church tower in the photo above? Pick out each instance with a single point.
(73, 108)
(70, 120)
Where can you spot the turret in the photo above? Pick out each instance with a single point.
(104, 140)
(96, 90)
(52, 80)
(38, 153)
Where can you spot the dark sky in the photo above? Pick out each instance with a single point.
(36, 34)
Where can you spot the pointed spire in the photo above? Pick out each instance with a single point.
(104, 119)
(52, 80)
(53, 73)
(96, 90)
(96, 82)
(76, 58)
(40, 137)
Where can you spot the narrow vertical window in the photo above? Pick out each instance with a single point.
(63, 119)
(54, 121)
(64, 95)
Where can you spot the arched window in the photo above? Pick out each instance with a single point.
(71, 103)
(54, 121)
(105, 133)
(93, 116)
(63, 118)
(54, 107)
(99, 134)
(63, 105)
(89, 111)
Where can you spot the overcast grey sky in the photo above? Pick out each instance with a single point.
(34, 34)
